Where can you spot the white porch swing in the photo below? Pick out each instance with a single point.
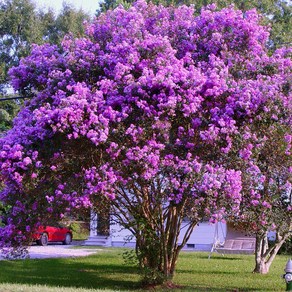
(236, 241)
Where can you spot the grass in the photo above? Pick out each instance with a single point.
(107, 271)
(80, 230)
(43, 288)
(228, 273)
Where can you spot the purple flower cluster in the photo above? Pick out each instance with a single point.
(150, 94)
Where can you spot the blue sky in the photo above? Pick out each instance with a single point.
(87, 5)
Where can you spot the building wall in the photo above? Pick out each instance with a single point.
(202, 237)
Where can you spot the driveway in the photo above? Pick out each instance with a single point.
(58, 251)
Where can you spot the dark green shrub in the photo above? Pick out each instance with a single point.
(286, 248)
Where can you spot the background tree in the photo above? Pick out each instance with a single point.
(149, 111)
(8, 111)
(69, 20)
(21, 25)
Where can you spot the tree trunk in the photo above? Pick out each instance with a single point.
(265, 254)
(156, 224)
(158, 249)
(155, 267)
(261, 267)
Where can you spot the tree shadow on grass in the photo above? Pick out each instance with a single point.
(219, 256)
(224, 258)
(213, 272)
(70, 273)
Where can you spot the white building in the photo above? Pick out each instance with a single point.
(219, 237)
(202, 238)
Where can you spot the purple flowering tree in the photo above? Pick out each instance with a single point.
(267, 176)
(148, 115)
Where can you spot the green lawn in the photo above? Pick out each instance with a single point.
(108, 272)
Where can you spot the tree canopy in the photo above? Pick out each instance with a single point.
(155, 112)
(278, 13)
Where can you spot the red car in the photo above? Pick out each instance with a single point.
(47, 234)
